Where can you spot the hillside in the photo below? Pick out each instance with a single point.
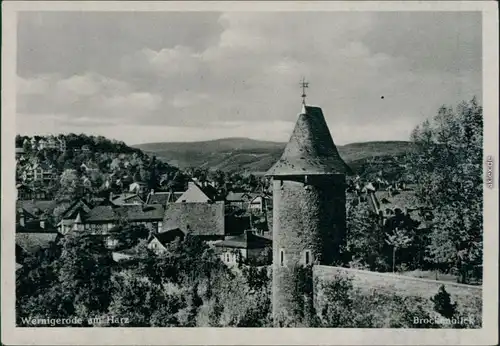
(248, 155)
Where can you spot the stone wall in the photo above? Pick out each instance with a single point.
(307, 216)
(468, 297)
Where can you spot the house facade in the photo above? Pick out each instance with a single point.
(158, 242)
(103, 218)
(68, 217)
(245, 248)
(39, 172)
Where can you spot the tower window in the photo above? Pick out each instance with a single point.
(307, 257)
(282, 257)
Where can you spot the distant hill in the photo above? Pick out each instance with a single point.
(249, 155)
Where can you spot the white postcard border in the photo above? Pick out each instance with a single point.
(248, 336)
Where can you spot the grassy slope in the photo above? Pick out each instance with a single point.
(243, 154)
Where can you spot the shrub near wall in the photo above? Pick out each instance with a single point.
(369, 299)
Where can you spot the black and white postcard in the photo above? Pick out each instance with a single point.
(242, 173)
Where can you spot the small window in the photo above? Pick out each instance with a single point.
(227, 258)
(307, 257)
(282, 258)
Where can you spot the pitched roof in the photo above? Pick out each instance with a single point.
(310, 149)
(32, 242)
(199, 218)
(163, 197)
(132, 212)
(240, 196)
(126, 198)
(400, 199)
(247, 240)
(36, 206)
(78, 206)
(373, 203)
(168, 236)
(210, 191)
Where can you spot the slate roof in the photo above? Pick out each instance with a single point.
(210, 191)
(169, 236)
(32, 242)
(406, 201)
(240, 196)
(401, 200)
(310, 149)
(199, 218)
(106, 213)
(78, 206)
(126, 198)
(31, 206)
(163, 197)
(245, 241)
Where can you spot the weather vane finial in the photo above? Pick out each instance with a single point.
(304, 85)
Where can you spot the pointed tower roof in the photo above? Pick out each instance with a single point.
(310, 150)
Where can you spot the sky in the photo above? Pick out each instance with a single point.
(189, 76)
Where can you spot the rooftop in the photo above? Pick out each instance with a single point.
(199, 218)
(103, 213)
(247, 240)
(310, 150)
(240, 196)
(127, 198)
(168, 236)
(32, 242)
(163, 197)
(35, 207)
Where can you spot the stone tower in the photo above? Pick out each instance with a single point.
(308, 206)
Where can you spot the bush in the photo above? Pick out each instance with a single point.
(443, 305)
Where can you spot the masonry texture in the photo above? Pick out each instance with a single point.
(469, 298)
(308, 208)
(307, 217)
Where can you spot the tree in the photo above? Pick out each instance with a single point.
(443, 305)
(398, 240)
(135, 298)
(447, 162)
(70, 184)
(336, 309)
(364, 238)
(128, 235)
(85, 273)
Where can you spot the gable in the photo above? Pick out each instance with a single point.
(193, 195)
(155, 244)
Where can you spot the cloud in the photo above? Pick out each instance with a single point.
(32, 86)
(213, 71)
